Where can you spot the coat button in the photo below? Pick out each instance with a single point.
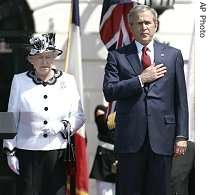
(46, 108)
(45, 96)
(45, 135)
(45, 122)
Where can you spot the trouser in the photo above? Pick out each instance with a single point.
(144, 172)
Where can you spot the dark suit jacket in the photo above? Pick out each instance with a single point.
(183, 172)
(162, 109)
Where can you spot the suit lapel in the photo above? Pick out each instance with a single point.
(158, 57)
(133, 58)
(159, 53)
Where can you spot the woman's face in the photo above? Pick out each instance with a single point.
(42, 63)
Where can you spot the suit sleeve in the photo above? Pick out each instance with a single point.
(119, 81)
(181, 104)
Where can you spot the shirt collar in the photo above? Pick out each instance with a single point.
(140, 46)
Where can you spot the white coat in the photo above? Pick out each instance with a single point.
(35, 104)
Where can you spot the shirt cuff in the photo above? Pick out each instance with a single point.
(142, 85)
(180, 136)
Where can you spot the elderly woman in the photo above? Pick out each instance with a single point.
(46, 106)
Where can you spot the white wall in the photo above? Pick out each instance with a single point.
(176, 26)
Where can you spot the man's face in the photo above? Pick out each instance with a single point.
(143, 27)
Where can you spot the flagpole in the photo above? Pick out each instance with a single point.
(68, 38)
(68, 185)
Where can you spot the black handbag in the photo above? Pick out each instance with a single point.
(69, 155)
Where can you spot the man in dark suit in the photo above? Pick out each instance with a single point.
(183, 172)
(151, 107)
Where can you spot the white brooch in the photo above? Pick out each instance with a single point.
(62, 85)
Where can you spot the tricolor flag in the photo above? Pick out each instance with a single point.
(114, 28)
(74, 66)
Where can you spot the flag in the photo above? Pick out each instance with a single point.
(114, 29)
(191, 88)
(74, 66)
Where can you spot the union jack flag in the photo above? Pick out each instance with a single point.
(114, 28)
